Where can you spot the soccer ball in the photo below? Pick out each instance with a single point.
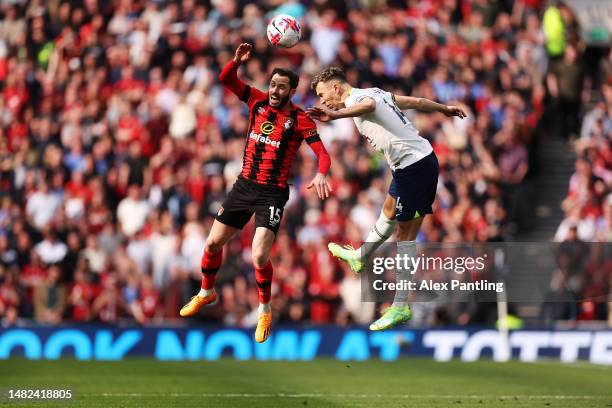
(284, 31)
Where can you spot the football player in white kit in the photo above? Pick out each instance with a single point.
(379, 118)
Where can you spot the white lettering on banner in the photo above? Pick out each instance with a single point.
(481, 340)
(264, 139)
(444, 342)
(570, 344)
(601, 348)
(355, 344)
(529, 343)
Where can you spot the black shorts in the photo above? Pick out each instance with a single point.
(246, 198)
(414, 188)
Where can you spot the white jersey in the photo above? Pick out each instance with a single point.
(388, 130)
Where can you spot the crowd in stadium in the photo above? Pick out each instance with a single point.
(118, 145)
(588, 205)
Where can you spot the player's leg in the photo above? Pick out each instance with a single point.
(416, 192)
(262, 243)
(212, 258)
(399, 312)
(268, 214)
(380, 232)
(235, 212)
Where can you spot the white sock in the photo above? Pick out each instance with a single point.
(408, 249)
(380, 232)
(205, 292)
(264, 308)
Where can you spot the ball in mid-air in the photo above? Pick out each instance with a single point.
(284, 31)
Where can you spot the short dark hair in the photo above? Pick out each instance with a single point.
(326, 75)
(294, 79)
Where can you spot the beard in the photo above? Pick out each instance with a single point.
(282, 101)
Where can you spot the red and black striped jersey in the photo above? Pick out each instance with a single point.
(274, 136)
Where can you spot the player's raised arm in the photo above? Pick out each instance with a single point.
(426, 105)
(229, 73)
(324, 114)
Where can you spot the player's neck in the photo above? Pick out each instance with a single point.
(346, 91)
(285, 107)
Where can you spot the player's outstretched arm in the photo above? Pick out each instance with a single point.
(229, 73)
(324, 114)
(319, 182)
(425, 105)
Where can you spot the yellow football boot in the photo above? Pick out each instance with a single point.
(262, 332)
(196, 303)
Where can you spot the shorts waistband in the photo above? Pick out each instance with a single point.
(263, 186)
(416, 163)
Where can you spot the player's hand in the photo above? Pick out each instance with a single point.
(320, 183)
(243, 53)
(451, 111)
(322, 114)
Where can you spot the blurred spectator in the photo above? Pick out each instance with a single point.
(132, 212)
(50, 298)
(566, 82)
(9, 299)
(163, 246)
(42, 205)
(109, 304)
(50, 249)
(354, 309)
(81, 296)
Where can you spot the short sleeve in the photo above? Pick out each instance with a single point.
(359, 95)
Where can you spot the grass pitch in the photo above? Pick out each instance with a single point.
(320, 383)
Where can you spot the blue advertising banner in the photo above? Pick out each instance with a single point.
(302, 343)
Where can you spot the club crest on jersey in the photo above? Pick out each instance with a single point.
(261, 110)
(288, 123)
(267, 127)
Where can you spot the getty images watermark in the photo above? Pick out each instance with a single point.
(540, 272)
(423, 263)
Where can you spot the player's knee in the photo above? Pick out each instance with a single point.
(260, 257)
(406, 232)
(389, 212)
(389, 209)
(213, 245)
